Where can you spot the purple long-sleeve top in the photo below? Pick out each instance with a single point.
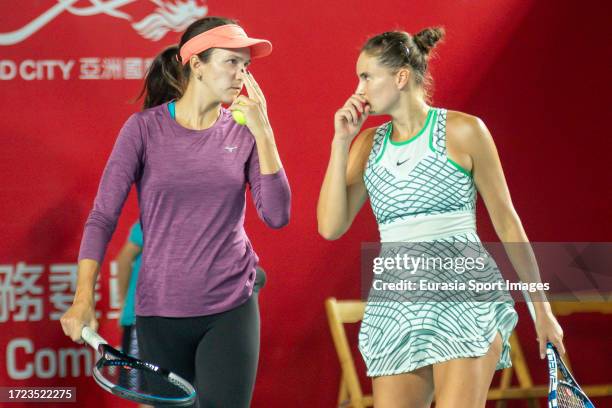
(196, 259)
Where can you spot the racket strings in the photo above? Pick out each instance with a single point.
(139, 378)
(567, 397)
(569, 394)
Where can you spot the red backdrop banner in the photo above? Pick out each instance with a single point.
(535, 72)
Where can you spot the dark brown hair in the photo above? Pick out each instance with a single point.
(167, 78)
(398, 49)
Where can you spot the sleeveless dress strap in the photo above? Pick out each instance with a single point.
(439, 134)
(380, 142)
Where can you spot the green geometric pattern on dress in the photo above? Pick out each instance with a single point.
(403, 331)
(440, 133)
(399, 333)
(405, 336)
(434, 186)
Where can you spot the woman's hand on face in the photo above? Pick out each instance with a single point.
(349, 118)
(253, 107)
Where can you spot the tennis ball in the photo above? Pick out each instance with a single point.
(239, 117)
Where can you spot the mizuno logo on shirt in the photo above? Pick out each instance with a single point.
(231, 148)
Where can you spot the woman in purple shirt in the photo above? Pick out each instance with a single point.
(191, 162)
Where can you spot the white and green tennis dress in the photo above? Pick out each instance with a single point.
(422, 198)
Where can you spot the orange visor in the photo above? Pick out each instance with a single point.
(225, 36)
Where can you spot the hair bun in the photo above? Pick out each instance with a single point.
(426, 39)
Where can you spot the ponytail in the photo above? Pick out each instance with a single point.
(164, 79)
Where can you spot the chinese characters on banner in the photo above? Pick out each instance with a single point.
(23, 292)
(86, 68)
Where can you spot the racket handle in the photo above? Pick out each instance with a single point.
(91, 337)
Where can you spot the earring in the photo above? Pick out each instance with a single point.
(199, 77)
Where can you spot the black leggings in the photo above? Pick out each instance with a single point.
(218, 353)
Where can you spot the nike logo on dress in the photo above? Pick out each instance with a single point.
(399, 163)
(231, 148)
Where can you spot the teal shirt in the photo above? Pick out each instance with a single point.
(128, 316)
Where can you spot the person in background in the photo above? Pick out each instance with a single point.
(128, 264)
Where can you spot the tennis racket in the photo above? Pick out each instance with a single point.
(563, 390)
(136, 380)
